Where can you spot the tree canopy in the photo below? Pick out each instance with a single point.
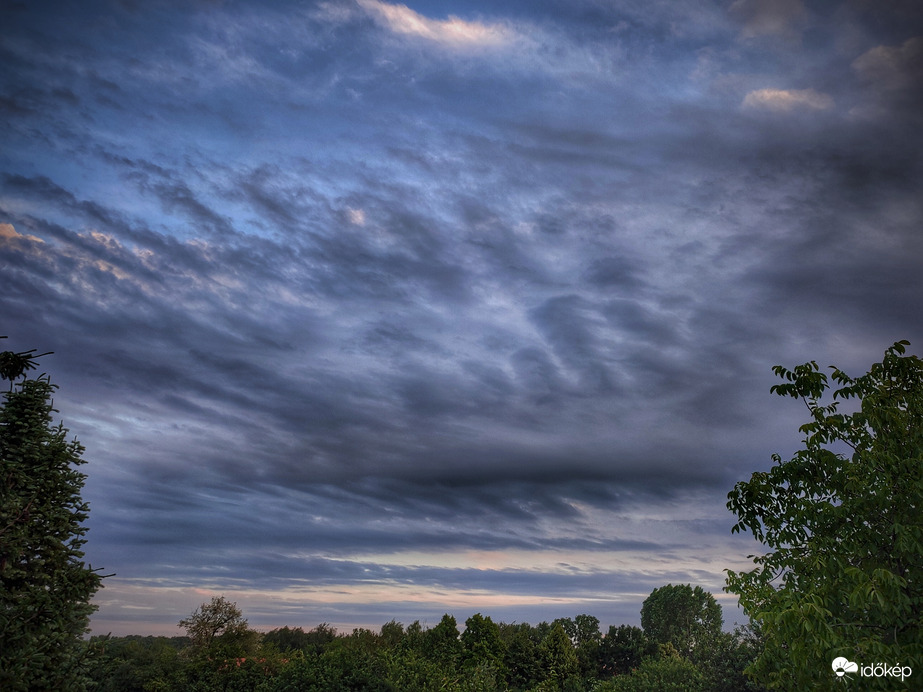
(843, 521)
(681, 615)
(219, 619)
(45, 586)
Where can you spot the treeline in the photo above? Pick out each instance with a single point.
(681, 647)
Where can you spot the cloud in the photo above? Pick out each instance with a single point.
(769, 17)
(576, 334)
(355, 216)
(788, 100)
(452, 32)
(892, 67)
(9, 234)
(891, 77)
(348, 317)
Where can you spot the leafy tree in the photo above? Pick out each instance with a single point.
(442, 642)
(137, 664)
(844, 574)
(520, 658)
(414, 637)
(541, 631)
(355, 662)
(480, 677)
(339, 669)
(481, 641)
(723, 660)
(569, 626)
(559, 660)
(320, 637)
(45, 586)
(667, 672)
(410, 671)
(586, 630)
(392, 633)
(681, 615)
(219, 628)
(622, 649)
(287, 639)
(587, 640)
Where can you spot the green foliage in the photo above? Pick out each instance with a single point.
(481, 641)
(622, 650)
(482, 676)
(14, 365)
(287, 639)
(844, 573)
(218, 629)
(682, 616)
(668, 672)
(136, 664)
(491, 658)
(557, 656)
(521, 659)
(488, 657)
(45, 587)
(412, 672)
(392, 633)
(586, 631)
(724, 658)
(442, 643)
(319, 638)
(336, 670)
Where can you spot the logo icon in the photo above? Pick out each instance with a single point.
(841, 666)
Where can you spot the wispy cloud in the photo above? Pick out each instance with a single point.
(892, 67)
(451, 32)
(759, 18)
(787, 100)
(9, 234)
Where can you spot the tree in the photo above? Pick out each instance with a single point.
(441, 643)
(14, 365)
(559, 660)
(218, 621)
(666, 672)
(586, 631)
(681, 615)
(587, 641)
(520, 660)
(287, 639)
(481, 639)
(481, 642)
(135, 663)
(45, 586)
(622, 649)
(392, 633)
(319, 638)
(844, 571)
(723, 660)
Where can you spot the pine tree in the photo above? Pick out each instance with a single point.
(45, 587)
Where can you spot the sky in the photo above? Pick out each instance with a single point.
(368, 311)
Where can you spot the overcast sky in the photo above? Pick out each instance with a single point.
(368, 311)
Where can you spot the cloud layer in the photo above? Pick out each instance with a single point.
(369, 311)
